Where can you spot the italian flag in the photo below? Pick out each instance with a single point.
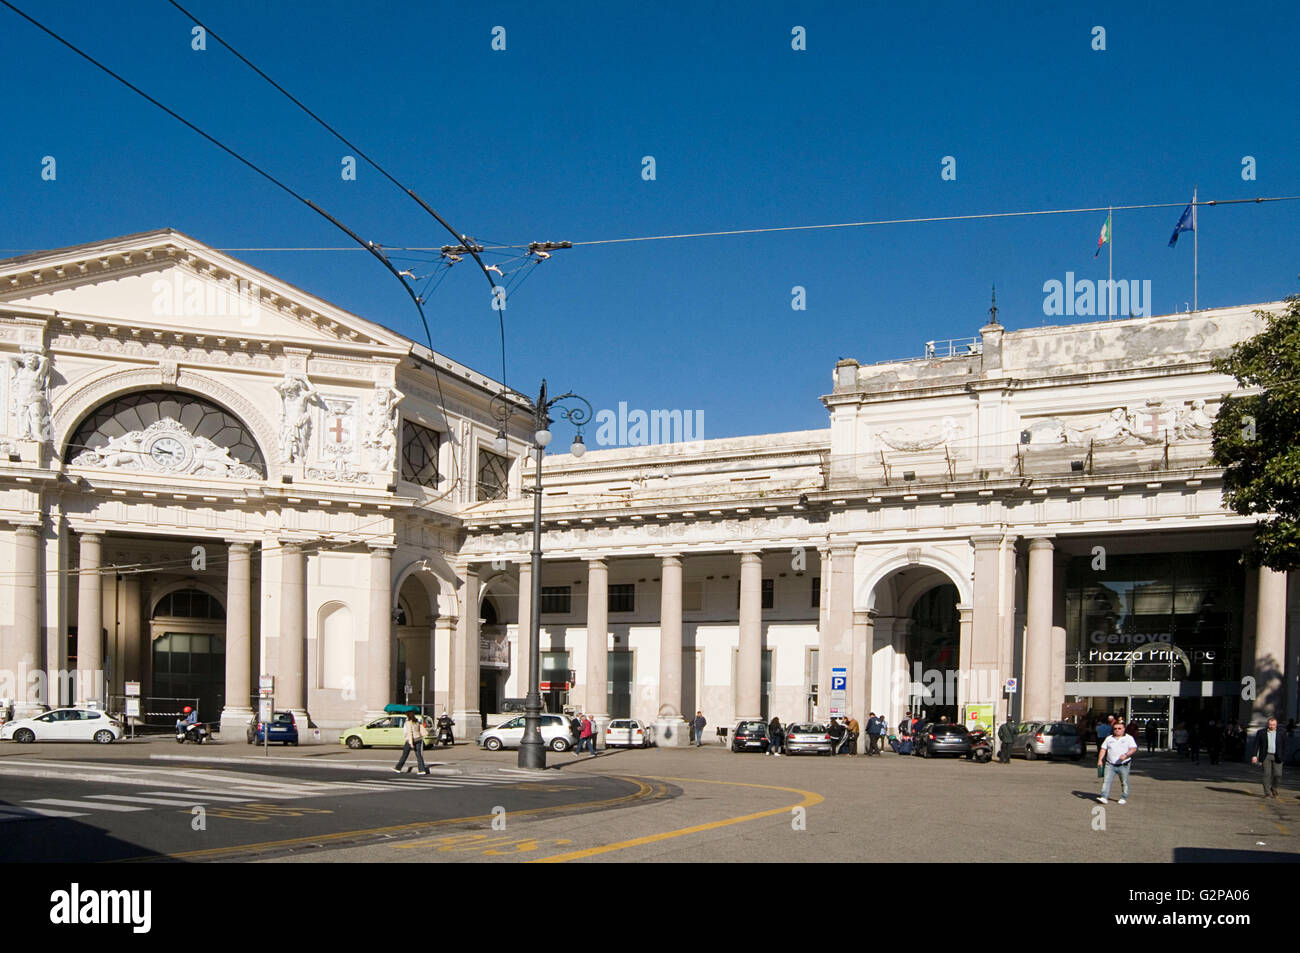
(1104, 237)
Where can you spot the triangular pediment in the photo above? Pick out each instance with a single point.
(167, 280)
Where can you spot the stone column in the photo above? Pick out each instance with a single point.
(290, 683)
(25, 656)
(986, 642)
(239, 640)
(524, 633)
(441, 635)
(1038, 632)
(837, 635)
(861, 699)
(597, 640)
(1270, 648)
(670, 725)
(136, 628)
(970, 690)
(90, 623)
(749, 669)
(379, 651)
(465, 657)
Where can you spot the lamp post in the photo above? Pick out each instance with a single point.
(532, 751)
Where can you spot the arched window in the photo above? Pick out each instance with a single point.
(127, 421)
(189, 604)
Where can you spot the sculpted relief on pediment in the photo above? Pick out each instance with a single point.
(1152, 422)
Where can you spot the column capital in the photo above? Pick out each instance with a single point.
(596, 562)
(750, 556)
(667, 556)
(865, 616)
(94, 535)
(1040, 543)
(381, 549)
(985, 543)
(28, 529)
(843, 549)
(240, 544)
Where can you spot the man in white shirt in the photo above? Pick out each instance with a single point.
(1117, 753)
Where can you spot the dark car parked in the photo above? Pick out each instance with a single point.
(750, 736)
(943, 739)
(284, 730)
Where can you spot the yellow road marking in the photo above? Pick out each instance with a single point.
(809, 799)
(642, 791)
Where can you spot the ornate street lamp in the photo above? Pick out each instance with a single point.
(532, 751)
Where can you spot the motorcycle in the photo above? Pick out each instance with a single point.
(981, 747)
(444, 731)
(197, 733)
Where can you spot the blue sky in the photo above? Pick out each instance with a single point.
(545, 140)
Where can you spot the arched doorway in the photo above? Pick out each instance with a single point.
(189, 650)
(934, 650)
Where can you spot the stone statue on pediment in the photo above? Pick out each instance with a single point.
(30, 374)
(296, 397)
(1195, 423)
(381, 429)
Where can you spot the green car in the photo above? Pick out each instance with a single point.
(384, 732)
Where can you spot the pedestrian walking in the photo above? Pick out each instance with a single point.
(587, 737)
(414, 735)
(852, 730)
(698, 727)
(883, 738)
(1006, 735)
(1270, 751)
(1152, 733)
(775, 737)
(873, 734)
(1117, 753)
(1180, 740)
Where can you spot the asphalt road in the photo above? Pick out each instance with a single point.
(328, 804)
(93, 809)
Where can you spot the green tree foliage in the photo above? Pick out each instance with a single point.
(1257, 438)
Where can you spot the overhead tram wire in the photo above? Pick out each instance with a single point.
(975, 216)
(462, 240)
(371, 247)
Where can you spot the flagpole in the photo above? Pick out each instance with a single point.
(1110, 227)
(1196, 243)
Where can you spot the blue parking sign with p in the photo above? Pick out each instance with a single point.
(839, 683)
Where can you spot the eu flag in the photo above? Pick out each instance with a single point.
(1186, 223)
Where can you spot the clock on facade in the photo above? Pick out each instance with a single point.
(169, 452)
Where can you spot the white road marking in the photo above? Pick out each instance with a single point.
(58, 802)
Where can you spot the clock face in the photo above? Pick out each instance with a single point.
(167, 452)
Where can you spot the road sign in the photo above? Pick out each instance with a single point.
(133, 690)
(1011, 686)
(264, 709)
(133, 708)
(839, 691)
(265, 684)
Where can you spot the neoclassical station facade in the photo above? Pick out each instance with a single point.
(209, 476)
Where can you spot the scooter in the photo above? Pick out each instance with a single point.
(197, 733)
(444, 731)
(981, 747)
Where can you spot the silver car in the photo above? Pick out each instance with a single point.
(558, 734)
(1045, 739)
(807, 737)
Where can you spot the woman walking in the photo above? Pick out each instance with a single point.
(414, 735)
(775, 736)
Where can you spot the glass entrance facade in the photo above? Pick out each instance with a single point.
(1155, 637)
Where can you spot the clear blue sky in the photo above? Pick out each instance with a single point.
(545, 141)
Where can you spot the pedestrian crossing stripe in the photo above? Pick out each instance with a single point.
(241, 792)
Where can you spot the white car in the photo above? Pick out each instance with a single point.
(64, 724)
(557, 734)
(627, 733)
